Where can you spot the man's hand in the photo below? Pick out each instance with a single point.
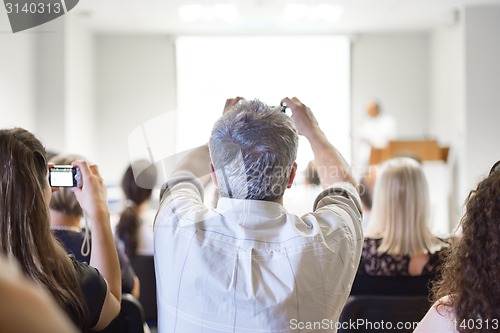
(304, 119)
(331, 165)
(230, 102)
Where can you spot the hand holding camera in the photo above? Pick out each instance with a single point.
(65, 176)
(92, 194)
(304, 119)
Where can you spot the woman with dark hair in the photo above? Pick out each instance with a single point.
(468, 296)
(135, 227)
(89, 300)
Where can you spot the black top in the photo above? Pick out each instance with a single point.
(94, 290)
(385, 274)
(383, 264)
(72, 242)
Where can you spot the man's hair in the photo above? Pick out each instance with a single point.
(253, 148)
(400, 211)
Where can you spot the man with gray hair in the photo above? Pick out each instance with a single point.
(248, 265)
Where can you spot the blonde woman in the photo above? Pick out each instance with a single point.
(398, 241)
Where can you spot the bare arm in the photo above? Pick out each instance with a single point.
(331, 165)
(92, 198)
(136, 291)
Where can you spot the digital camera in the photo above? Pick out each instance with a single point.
(65, 176)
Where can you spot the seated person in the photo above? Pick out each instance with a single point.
(134, 230)
(398, 241)
(366, 184)
(249, 265)
(90, 295)
(468, 295)
(299, 199)
(65, 217)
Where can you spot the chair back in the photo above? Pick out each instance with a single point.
(375, 313)
(392, 285)
(130, 319)
(144, 267)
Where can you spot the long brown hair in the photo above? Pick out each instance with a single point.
(24, 221)
(470, 275)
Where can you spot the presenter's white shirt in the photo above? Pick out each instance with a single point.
(250, 266)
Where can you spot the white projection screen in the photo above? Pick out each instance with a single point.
(315, 69)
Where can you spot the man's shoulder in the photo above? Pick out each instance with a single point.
(181, 183)
(339, 194)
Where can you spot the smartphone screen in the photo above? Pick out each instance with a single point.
(63, 176)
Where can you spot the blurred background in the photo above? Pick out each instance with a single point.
(117, 80)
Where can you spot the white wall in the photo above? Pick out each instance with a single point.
(135, 82)
(79, 120)
(465, 102)
(49, 81)
(17, 88)
(482, 58)
(395, 69)
(447, 116)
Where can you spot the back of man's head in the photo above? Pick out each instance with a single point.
(253, 148)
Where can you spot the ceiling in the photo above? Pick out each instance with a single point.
(267, 16)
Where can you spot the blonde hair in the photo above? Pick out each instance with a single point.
(400, 212)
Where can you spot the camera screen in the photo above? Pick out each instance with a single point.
(61, 177)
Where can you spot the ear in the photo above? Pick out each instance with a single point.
(213, 176)
(292, 175)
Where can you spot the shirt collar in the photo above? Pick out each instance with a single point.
(246, 206)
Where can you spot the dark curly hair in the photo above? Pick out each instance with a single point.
(470, 277)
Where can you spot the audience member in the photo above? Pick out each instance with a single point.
(366, 185)
(468, 295)
(398, 241)
(90, 300)
(249, 265)
(311, 174)
(65, 222)
(25, 307)
(135, 227)
(299, 199)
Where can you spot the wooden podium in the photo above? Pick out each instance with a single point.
(423, 150)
